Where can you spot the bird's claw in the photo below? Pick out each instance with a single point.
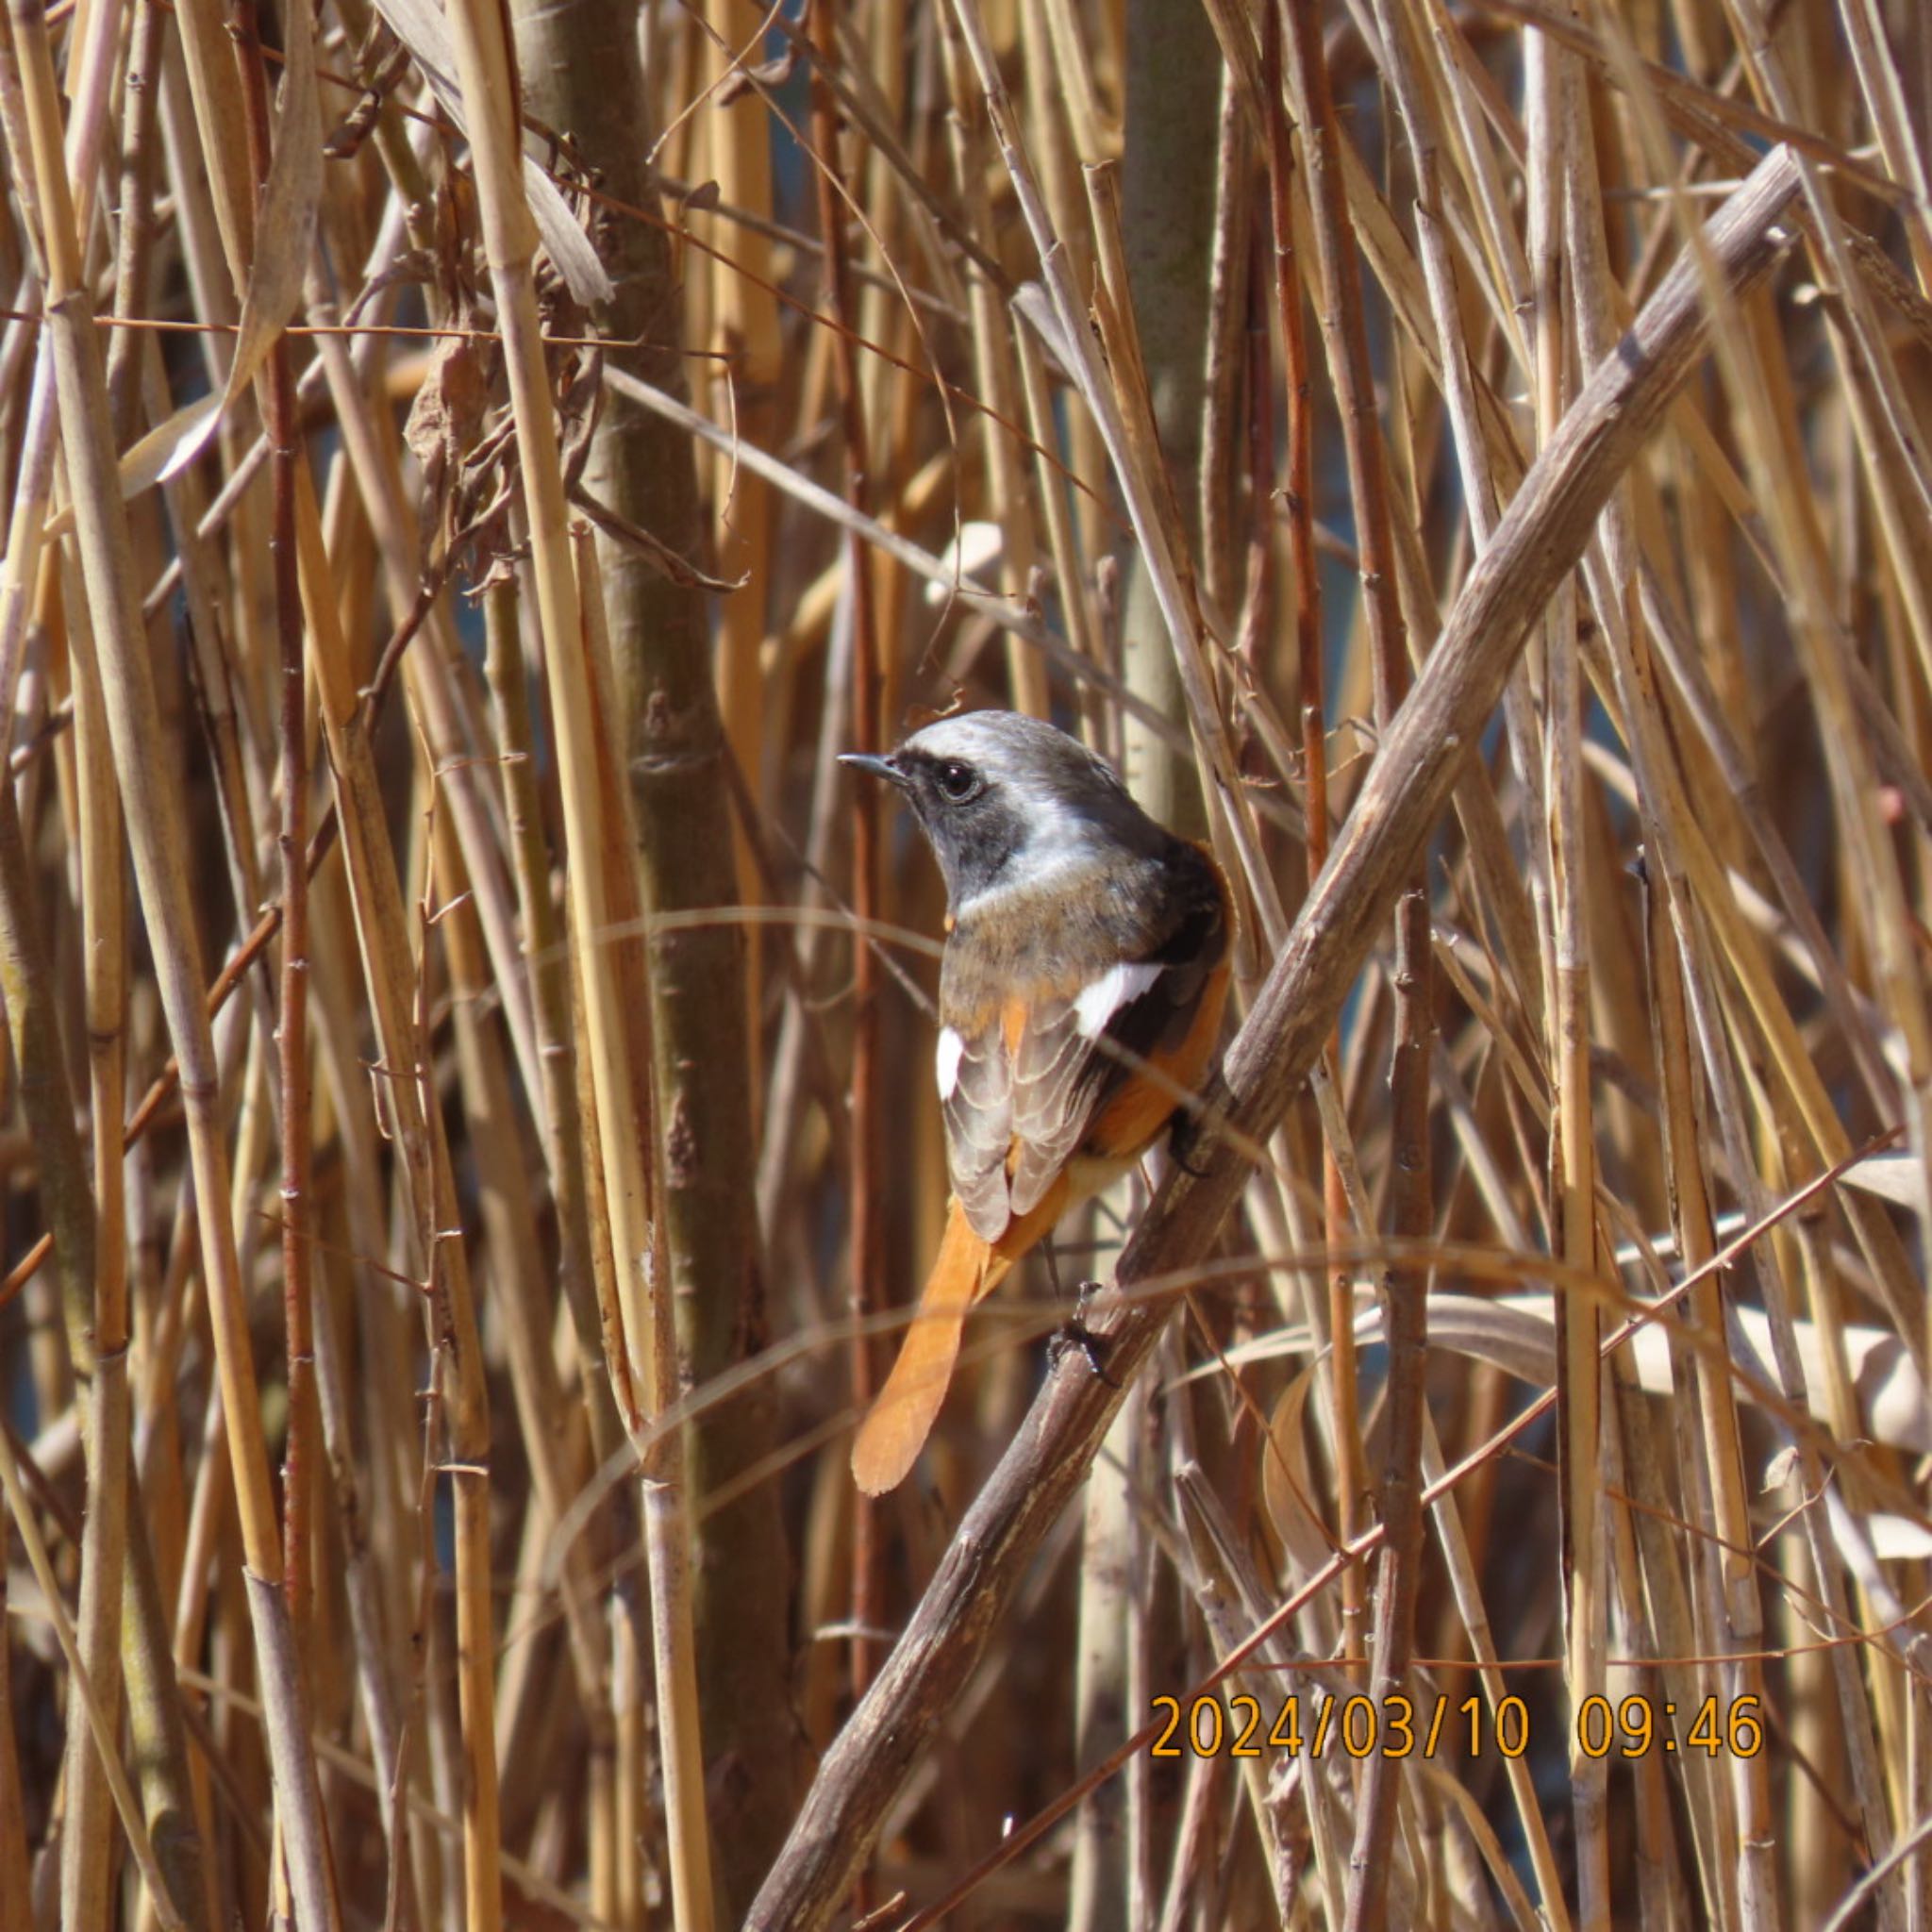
(1075, 1333)
(1181, 1138)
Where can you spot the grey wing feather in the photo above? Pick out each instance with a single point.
(979, 1128)
(1054, 1082)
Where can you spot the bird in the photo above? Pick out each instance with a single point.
(1081, 991)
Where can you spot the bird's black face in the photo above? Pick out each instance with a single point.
(1005, 800)
(966, 814)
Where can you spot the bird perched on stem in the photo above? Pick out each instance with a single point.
(1081, 999)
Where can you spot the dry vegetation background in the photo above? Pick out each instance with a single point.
(467, 1127)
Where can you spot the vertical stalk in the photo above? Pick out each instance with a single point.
(510, 241)
(1172, 89)
(158, 837)
(864, 700)
(16, 1897)
(86, 1854)
(680, 710)
(292, 1028)
(1553, 130)
(994, 375)
(1404, 1291)
(1344, 1375)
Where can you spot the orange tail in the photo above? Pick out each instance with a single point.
(895, 1428)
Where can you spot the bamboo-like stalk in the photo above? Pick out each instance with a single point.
(560, 1124)
(745, 327)
(679, 734)
(292, 1020)
(47, 1095)
(641, 1370)
(99, 1723)
(1739, 1621)
(864, 703)
(997, 379)
(156, 838)
(1861, 1747)
(661, 1454)
(1553, 134)
(1340, 312)
(16, 1897)
(87, 1856)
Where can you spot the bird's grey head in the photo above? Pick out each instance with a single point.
(992, 788)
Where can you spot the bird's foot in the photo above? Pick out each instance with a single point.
(1075, 1333)
(1182, 1137)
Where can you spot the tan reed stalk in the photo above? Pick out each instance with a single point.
(1734, 1619)
(1552, 133)
(157, 841)
(1342, 1379)
(352, 1487)
(48, 1097)
(436, 1252)
(1226, 1590)
(482, 55)
(294, 1099)
(996, 380)
(640, 1359)
(372, 1500)
(1883, 89)
(1742, 957)
(703, 985)
(1339, 313)
(660, 1447)
(99, 1722)
(16, 1897)
(863, 702)
(1237, 442)
(742, 387)
(88, 1861)
(509, 1228)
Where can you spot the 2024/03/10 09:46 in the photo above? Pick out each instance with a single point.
(1360, 1726)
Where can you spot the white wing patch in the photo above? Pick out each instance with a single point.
(1119, 986)
(946, 1061)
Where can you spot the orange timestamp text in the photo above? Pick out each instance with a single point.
(1355, 1727)
(1635, 1726)
(1360, 1726)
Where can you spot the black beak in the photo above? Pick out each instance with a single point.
(887, 769)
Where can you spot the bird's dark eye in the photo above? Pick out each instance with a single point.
(957, 781)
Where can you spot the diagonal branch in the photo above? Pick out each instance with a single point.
(1540, 538)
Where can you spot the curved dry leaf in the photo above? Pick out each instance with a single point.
(1517, 1334)
(286, 230)
(170, 446)
(284, 235)
(1287, 1486)
(1899, 1179)
(1898, 1539)
(972, 553)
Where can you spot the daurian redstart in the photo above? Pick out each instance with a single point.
(1080, 998)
